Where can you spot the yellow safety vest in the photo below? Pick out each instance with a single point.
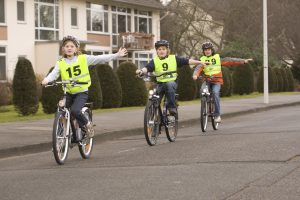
(214, 67)
(78, 71)
(165, 65)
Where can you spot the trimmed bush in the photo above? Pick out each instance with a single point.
(279, 76)
(51, 96)
(25, 97)
(95, 92)
(133, 89)
(272, 81)
(5, 94)
(290, 78)
(186, 85)
(285, 79)
(226, 89)
(243, 80)
(110, 86)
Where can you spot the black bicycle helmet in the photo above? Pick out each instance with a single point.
(71, 38)
(162, 43)
(208, 45)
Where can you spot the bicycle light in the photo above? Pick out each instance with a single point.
(62, 102)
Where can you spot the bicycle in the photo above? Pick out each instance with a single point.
(157, 115)
(207, 105)
(66, 132)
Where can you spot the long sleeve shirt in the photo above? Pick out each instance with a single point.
(227, 61)
(91, 60)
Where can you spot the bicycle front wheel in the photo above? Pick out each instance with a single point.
(151, 123)
(204, 113)
(172, 127)
(60, 140)
(215, 124)
(86, 145)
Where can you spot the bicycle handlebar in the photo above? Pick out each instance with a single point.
(153, 74)
(65, 82)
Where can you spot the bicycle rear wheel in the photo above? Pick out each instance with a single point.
(86, 144)
(60, 140)
(151, 123)
(204, 113)
(172, 127)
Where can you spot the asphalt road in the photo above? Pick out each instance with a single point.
(254, 156)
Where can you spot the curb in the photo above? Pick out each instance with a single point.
(109, 136)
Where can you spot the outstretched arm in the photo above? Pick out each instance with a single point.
(234, 61)
(93, 60)
(197, 71)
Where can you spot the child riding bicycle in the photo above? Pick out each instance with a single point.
(213, 69)
(75, 66)
(166, 62)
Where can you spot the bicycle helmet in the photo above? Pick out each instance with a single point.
(162, 43)
(71, 38)
(208, 45)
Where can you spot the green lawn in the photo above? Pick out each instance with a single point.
(8, 114)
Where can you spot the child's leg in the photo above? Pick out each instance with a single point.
(78, 102)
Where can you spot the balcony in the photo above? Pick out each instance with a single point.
(136, 41)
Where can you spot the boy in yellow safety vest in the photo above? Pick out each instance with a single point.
(166, 62)
(74, 65)
(213, 69)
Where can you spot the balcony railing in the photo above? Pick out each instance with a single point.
(136, 41)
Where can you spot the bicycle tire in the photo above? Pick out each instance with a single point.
(215, 124)
(86, 145)
(60, 141)
(204, 113)
(151, 123)
(172, 129)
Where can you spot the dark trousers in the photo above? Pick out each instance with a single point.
(169, 89)
(76, 102)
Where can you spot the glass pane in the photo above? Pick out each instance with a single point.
(73, 16)
(2, 68)
(88, 4)
(143, 13)
(56, 17)
(114, 39)
(105, 22)
(88, 20)
(2, 49)
(136, 24)
(2, 14)
(150, 25)
(48, 1)
(122, 9)
(97, 21)
(142, 55)
(114, 23)
(143, 25)
(113, 8)
(56, 35)
(121, 23)
(36, 8)
(46, 16)
(96, 53)
(37, 34)
(128, 23)
(128, 10)
(46, 35)
(143, 64)
(20, 11)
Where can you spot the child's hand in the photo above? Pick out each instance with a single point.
(248, 60)
(44, 82)
(195, 77)
(122, 52)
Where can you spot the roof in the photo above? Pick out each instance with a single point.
(145, 3)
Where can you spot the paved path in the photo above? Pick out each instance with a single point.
(19, 138)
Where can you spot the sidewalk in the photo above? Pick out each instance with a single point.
(18, 138)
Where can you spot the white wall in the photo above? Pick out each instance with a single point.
(21, 36)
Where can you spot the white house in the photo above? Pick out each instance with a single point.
(34, 28)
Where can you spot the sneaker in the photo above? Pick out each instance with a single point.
(172, 111)
(89, 130)
(218, 119)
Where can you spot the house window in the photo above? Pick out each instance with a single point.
(46, 20)
(97, 17)
(143, 21)
(2, 11)
(141, 59)
(2, 63)
(121, 22)
(74, 17)
(21, 10)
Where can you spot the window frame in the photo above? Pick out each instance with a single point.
(76, 8)
(102, 12)
(137, 59)
(24, 10)
(39, 28)
(149, 17)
